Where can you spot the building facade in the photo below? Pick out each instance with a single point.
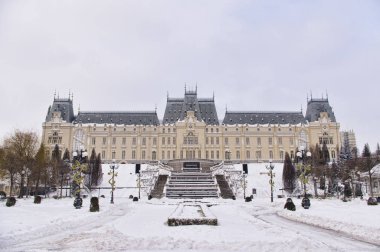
(191, 129)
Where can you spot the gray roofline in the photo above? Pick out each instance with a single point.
(263, 112)
(117, 112)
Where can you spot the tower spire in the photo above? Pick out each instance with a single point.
(55, 92)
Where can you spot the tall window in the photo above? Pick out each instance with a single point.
(174, 154)
(212, 154)
(237, 140)
(144, 141)
(103, 154)
(163, 140)
(206, 140)
(104, 140)
(292, 155)
(226, 140)
(217, 154)
(114, 141)
(217, 140)
(259, 141)
(270, 141)
(206, 154)
(163, 154)
(154, 141)
(258, 154)
(212, 140)
(237, 154)
(280, 140)
(190, 139)
(168, 154)
(291, 141)
(133, 154)
(124, 140)
(282, 155)
(248, 155)
(93, 140)
(199, 154)
(143, 154)
(333, 154)
(123, 154)
(270, 154)
(247, 140)
(174, 140)
(134, 141)
(113, 154)
(154, 155)
(168, 140)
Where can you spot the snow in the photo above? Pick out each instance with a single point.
(126, 225)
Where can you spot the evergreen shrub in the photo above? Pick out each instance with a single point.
(11, 201)
(94, 207)
(135, 199)
(37, 199)
(372, 201)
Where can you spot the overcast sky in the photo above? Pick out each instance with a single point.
(255, 55)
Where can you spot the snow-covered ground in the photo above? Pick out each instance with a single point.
(254, 226)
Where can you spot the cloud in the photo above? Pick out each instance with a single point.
(126, 55)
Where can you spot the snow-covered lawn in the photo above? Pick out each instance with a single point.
(253, 226)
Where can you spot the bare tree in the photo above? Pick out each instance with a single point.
(18, 151)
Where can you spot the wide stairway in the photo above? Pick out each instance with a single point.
(191, 183)
(225, 190)
(158, 189)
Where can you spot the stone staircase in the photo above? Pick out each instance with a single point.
(191, 184)
(158, 190)
(225, 190)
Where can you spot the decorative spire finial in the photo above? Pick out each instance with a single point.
(55, 93)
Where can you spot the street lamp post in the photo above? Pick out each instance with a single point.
(67, 183)
(79, 159)
(303, 154)
(21, 194)
(270, 168)
(113, 166)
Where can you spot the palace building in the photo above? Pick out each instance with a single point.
(191, 129)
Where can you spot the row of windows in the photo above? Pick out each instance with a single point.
(209, 154)
(192, 140)
(326, 140)
(134, 140)
(248, 141)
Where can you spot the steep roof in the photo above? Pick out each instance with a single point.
(126, 117)
(65, 106)
(315, 107)
(204, 109)
(263, 117)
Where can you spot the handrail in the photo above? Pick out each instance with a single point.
(165, 167)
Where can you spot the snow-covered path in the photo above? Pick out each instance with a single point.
(141, 226)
